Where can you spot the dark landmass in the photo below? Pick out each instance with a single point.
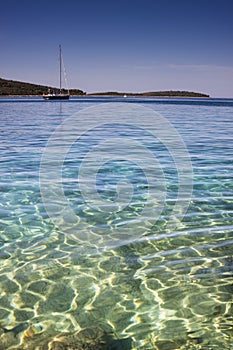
(170, 93)
(17, 88)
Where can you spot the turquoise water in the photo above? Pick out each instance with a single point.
(121, 257)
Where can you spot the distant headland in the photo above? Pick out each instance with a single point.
(19, 88)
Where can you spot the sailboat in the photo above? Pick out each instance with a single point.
(58, 95)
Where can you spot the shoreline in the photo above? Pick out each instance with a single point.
(117, 96)
(12, 88)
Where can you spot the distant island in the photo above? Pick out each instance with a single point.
(170, 93)
(18, 88)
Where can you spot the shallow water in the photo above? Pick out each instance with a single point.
(123, 260)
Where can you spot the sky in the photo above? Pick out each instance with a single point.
(123, 45)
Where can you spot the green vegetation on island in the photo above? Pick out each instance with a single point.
(171, 93)
(17, 88)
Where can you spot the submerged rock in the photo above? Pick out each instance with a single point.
(86, 339)
(17, 329)
(33, 330)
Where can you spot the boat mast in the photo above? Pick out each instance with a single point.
(60, 65)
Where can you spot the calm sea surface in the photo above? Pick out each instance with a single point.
(115, 235)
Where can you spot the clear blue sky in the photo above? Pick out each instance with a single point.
(123, 45)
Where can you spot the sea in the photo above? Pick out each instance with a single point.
(116, 223)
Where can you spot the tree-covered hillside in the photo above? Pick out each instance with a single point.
(12, 87)
(171, 93)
